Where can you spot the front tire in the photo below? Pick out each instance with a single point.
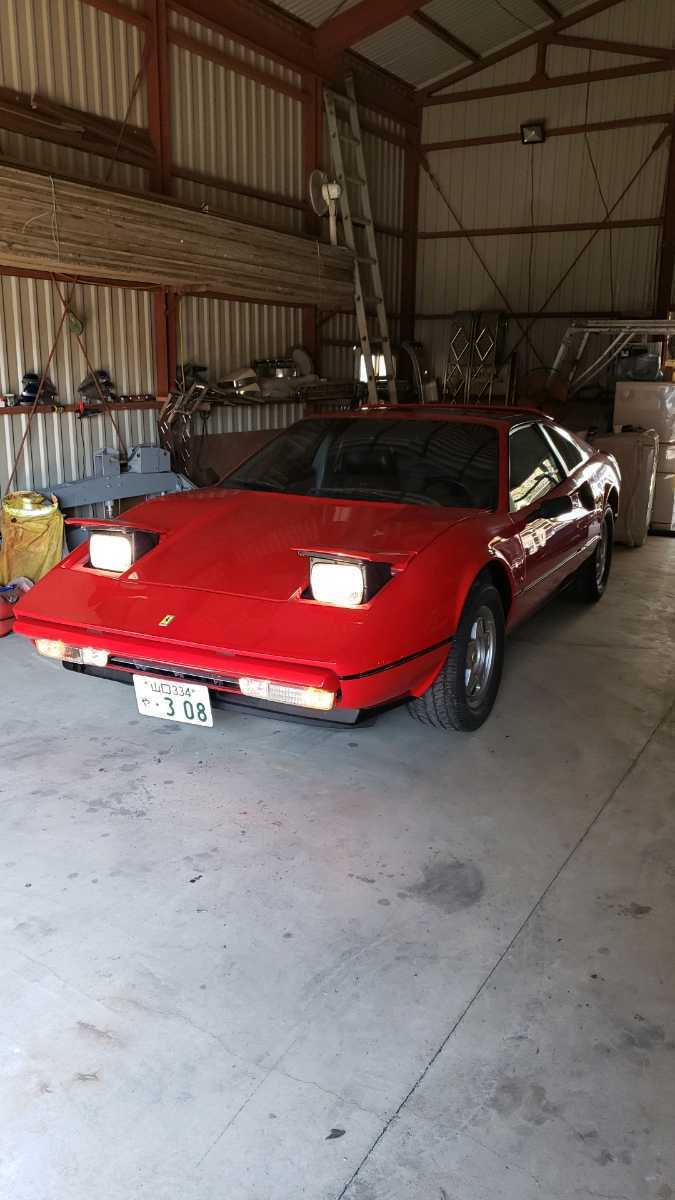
(593, 575)
(464, 691)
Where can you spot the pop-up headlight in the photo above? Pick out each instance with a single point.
(345, 583)
(115, 550)
(339, 583)
(111, 552)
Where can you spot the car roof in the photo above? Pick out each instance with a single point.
(484, 414)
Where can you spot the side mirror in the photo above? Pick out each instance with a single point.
(555, 506)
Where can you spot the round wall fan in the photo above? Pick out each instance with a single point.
(324, 194)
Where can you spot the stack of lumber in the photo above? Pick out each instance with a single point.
(85, 229)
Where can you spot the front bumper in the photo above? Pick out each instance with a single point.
(130, 654)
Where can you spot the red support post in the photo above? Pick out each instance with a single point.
(312, 126)
(664, 287)
(159, 123)
(411, 191)
(160, 341)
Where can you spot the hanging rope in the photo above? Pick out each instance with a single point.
(530, 263)
(663, 137)
(425, 163)
(145, 58)
(36, 401)
(103, 399)
(598, 184)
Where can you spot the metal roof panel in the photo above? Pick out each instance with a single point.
(410, 51)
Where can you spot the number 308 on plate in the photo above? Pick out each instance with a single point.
(189, 703)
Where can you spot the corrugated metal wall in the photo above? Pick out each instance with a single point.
(508, 184)
(235, 129)
(117, 335)
(226, 127)
(76, 55)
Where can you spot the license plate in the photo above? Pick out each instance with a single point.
(186, 702)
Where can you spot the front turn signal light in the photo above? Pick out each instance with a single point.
(281, 693)
(86, 656)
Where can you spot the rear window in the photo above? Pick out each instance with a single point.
(442, 463)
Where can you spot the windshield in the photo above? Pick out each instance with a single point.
(443, 463)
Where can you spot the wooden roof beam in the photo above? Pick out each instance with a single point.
(40, 117)
(286, 39)
(610, 47)
(524, 43)
(444, 35)
(365, 18)
(546, 83)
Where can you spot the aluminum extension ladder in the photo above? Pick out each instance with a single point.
(356, 214)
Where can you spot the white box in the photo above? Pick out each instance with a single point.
(663, 510)
(646, 406)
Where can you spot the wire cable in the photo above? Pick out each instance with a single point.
(490, 274)
(134, 92)
(530, 264)
(660, 141)
(596, 175)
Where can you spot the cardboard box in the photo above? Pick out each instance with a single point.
(663, 510)
(646, 406)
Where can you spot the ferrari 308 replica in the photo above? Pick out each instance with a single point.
(355, 560)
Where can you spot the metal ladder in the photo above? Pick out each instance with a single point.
(360, 216)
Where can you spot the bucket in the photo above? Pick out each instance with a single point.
(26, 505)
(6, 618)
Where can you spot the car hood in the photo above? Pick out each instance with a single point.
(250, 543)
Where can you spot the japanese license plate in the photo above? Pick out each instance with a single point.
(173, 701)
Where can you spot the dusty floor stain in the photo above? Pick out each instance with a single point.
(450, 886)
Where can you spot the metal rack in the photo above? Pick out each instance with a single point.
(477, 357)
(567, 362)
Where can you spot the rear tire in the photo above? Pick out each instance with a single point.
(464, 691)
(593, 575)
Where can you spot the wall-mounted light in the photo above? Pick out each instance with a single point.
(532, 133)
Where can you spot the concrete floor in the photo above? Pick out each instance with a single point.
(271, 961)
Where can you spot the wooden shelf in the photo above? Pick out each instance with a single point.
(14, 410)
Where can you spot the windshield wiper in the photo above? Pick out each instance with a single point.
(252, 485)
(371, 493)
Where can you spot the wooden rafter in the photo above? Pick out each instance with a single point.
(268, 30)
(522, 230)
(352, 25)
(122, 12)
(539, 83)
(444, 35)
(524, 43)
(38, 117)
(496, 139)
(610, 47)
(230, 63)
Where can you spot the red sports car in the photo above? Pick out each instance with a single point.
(357, 559)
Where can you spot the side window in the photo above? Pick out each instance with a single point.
(533, 467)
(570, 452)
